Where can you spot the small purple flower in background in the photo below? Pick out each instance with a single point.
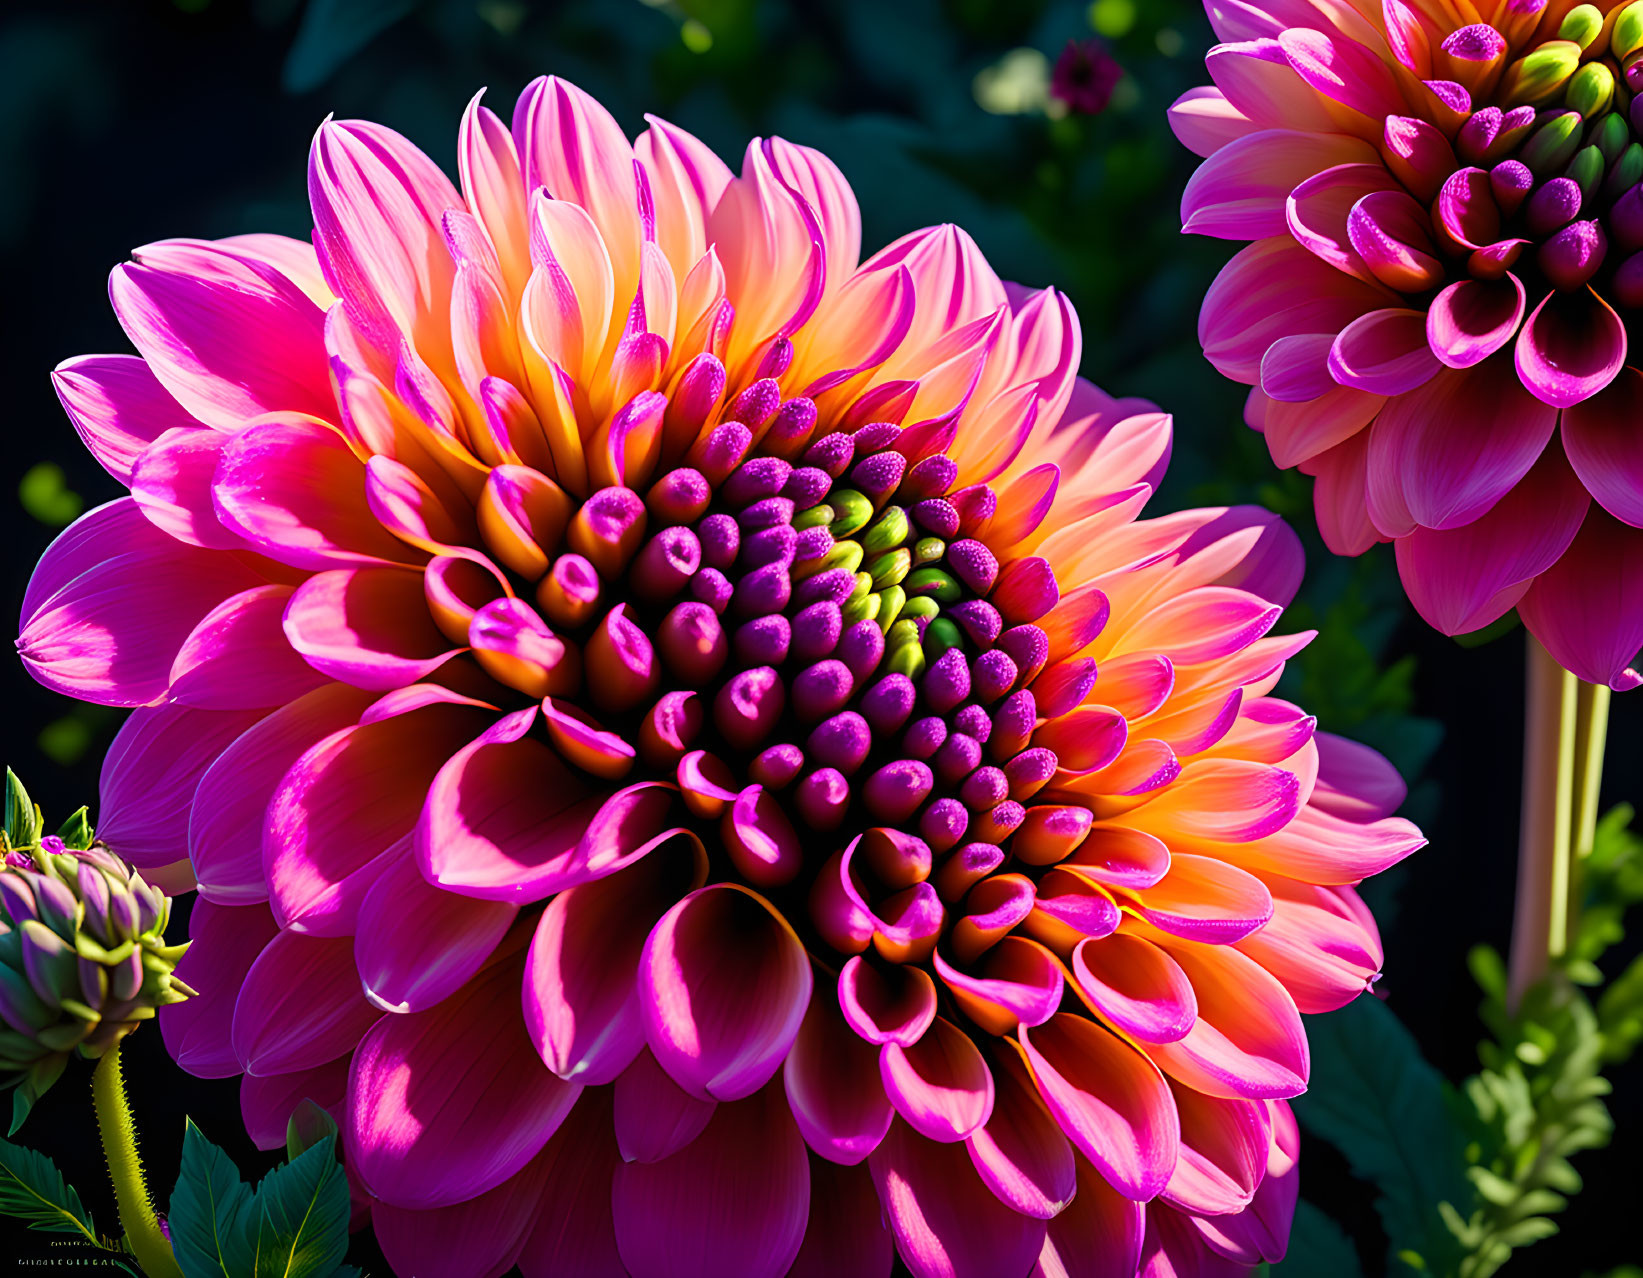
(1085, 76)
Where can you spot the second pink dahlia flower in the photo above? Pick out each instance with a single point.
(683, 741)
(1438, 310)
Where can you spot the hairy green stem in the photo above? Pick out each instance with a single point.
(125, 1169)
(1540, 926)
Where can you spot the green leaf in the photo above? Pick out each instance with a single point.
(303, 1210)
(76, 831)
(22, 817)
(1374, 1097)
(33, 1190)
(309, 1124)
(1317, 1248)
(333, 31)
(212, 1214)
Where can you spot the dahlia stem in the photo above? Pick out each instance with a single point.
(1540, 928)
(125, 1169)
(1591, 734)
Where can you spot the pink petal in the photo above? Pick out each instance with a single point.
(266, 1103)
(105, 532)
(1224, 800)
(227, 352)
(1588, 607)
(654, 1118)
(890, 1003)
(1442, 455)
(1461, 579)
(225, 944)
(366, 626)
(300, 1005)
(1339, 497)
(238, 658)
(1598, 437)
(1385, 352)
(1354, 781)
(1571, 348)
(294, 489)
(686, 180)
(946, 1221)
(1019, 983)
(1223, 1153)
(415, 944)
(1136, 986)
(1204, 121)
(1344, 70)
(1203, 899)
(118, 406)
(491, 179)
(1020, 1151)
(1248, 1042)
(225, 827)
(724, 983)
(150, 773)
(448, 1103)
(1110, 1100)
(733, 1201)
(1296, 433)
(575, 1233)
(111, 633)
(833, 1086)
(1239, 193)
(581, 994)
(846, 1233)
(347, 807)
(171, 481)
(1097, 1236)
(1321, 848)
(817, 180)
(1472, 319)
(1322, 944)
(941, 1084)
(480, 1238)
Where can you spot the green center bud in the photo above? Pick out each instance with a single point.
(1538, 77)
(1590, 90)
(1582, 25)
(1627, 36)
(83, 957)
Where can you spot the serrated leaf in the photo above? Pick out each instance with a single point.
(33, 1191)
(303, 1211)
(1375, 1098)
(332, 31)
(1317, 1247)
(212, 1216)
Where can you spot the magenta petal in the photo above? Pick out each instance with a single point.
(1442, 455)
(505, 820)
(941, 1084)
(1588, 607)
(1472, 319)
(480, 1238)
(227, 352)
(171, 481)
(833, 1085)
(1136, 986)
(416, 944)
(1223, 1153)
(724, 983)
(575, 1233)
(150, 773)
(1110, 1100)
(1385, 352)
(1020, 1150)
(894, 1003)
(1097, 1236)
(447, 1103)
(946, 1221)
(733, 1201)
(846, 1232)
(581, 994)
(1572, 347)
(300, 1005)
(105, 532)
(111, 633)
(118, 406)
(266, 1104)
(293, 488)
(196, 1031)
(655, 1119)
(238, 658)
(225, 827)
(1462, 579)
(347, 807)
(1600, 438)
(366, 626)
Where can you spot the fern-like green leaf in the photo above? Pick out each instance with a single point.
(33, 1191)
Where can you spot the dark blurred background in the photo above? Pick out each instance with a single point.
(125, 121)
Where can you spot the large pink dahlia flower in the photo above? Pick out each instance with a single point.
(1445, 284)
(678, 731)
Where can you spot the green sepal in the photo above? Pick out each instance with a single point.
(934, 583)
(1627, 34)
(851, 512)
(1586, 170)
(888, 531)
(891, 601)
(76, 832)
(890, 568)
(815, 517)
(1591, 90)
(23, 820)
(1554, 144)
(309, 1124)
(940, 635)
(1582, 24)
